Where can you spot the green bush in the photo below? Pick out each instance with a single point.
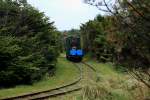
(28, 44)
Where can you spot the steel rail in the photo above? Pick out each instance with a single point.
(48, 93)
(62, 90)
(89, 66)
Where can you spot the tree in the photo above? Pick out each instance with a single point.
(95, 39)
(132, 28)
(28, 43)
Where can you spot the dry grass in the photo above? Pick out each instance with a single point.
(114, 85)
(108, 90)
(95, 91)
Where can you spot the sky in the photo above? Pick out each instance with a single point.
(67, 14)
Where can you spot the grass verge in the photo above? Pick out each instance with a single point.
(65, 74)
(113, 85)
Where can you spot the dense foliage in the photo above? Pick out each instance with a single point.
(72, 32)
(28, 43)
(94, 38)
(123, 33)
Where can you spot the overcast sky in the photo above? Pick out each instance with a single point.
(66, 14)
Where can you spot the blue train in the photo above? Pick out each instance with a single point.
(73, 49)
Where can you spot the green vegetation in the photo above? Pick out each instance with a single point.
(66, 73)
(28, 44)
(72, 32)
(70, 96)
(113, 85)
(30, 47)
(121, 37)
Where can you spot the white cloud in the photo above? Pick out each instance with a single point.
(67, 14)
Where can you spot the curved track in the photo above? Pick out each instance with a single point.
(74, 86)
(89, 73)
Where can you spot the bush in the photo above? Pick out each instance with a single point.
(28, 44)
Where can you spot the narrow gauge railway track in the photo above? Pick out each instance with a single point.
(72, 87)
(51, 92)
(90, 66)
(87, 72)
(90, 73)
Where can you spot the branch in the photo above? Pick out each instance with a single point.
(97, 7)
(108, 8)
(118, 16)
(138, 12)
(141, 79)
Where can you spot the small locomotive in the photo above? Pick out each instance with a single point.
(73, 49)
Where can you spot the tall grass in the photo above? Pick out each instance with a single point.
(94, 91)
(114, 85)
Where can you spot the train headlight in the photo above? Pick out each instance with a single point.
(73, 52)
(79, 52)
